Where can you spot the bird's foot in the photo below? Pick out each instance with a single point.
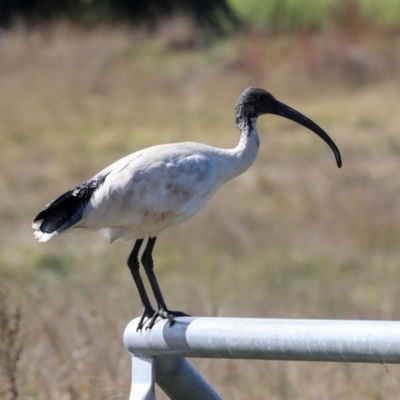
(164, 313)
(147, 313)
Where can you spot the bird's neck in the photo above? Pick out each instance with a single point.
(244, 154)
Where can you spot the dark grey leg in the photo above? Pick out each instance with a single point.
(162, 311)
(133, 264)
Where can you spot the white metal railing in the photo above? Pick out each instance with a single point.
(158, 355)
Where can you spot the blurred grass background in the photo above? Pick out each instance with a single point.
(294, 237)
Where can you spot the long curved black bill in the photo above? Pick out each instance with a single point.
(287, 112)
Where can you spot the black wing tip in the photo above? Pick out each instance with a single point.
(66, 210)
(39, 217)
(59, 214)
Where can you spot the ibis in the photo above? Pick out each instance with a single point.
(140, 195)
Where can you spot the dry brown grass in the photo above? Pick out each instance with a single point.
(10, 347)
(293, 237)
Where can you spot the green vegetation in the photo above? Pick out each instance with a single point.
(207, 14)
(289, 15)
(292, 237)
(217, 16)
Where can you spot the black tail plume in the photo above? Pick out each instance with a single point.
(67, 209)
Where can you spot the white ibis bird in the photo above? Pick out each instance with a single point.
(150, 190)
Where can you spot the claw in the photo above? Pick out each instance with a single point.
(165, 314)
(152, 321)
(149, 313)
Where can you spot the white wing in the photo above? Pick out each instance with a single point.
(154, 188)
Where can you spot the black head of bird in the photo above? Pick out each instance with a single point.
(254, 102)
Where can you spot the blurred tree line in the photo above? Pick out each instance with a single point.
(214, 14)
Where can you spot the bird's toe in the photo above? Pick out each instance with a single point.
(147, 313)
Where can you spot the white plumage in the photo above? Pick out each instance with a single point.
(152, 189)
(157, 187)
